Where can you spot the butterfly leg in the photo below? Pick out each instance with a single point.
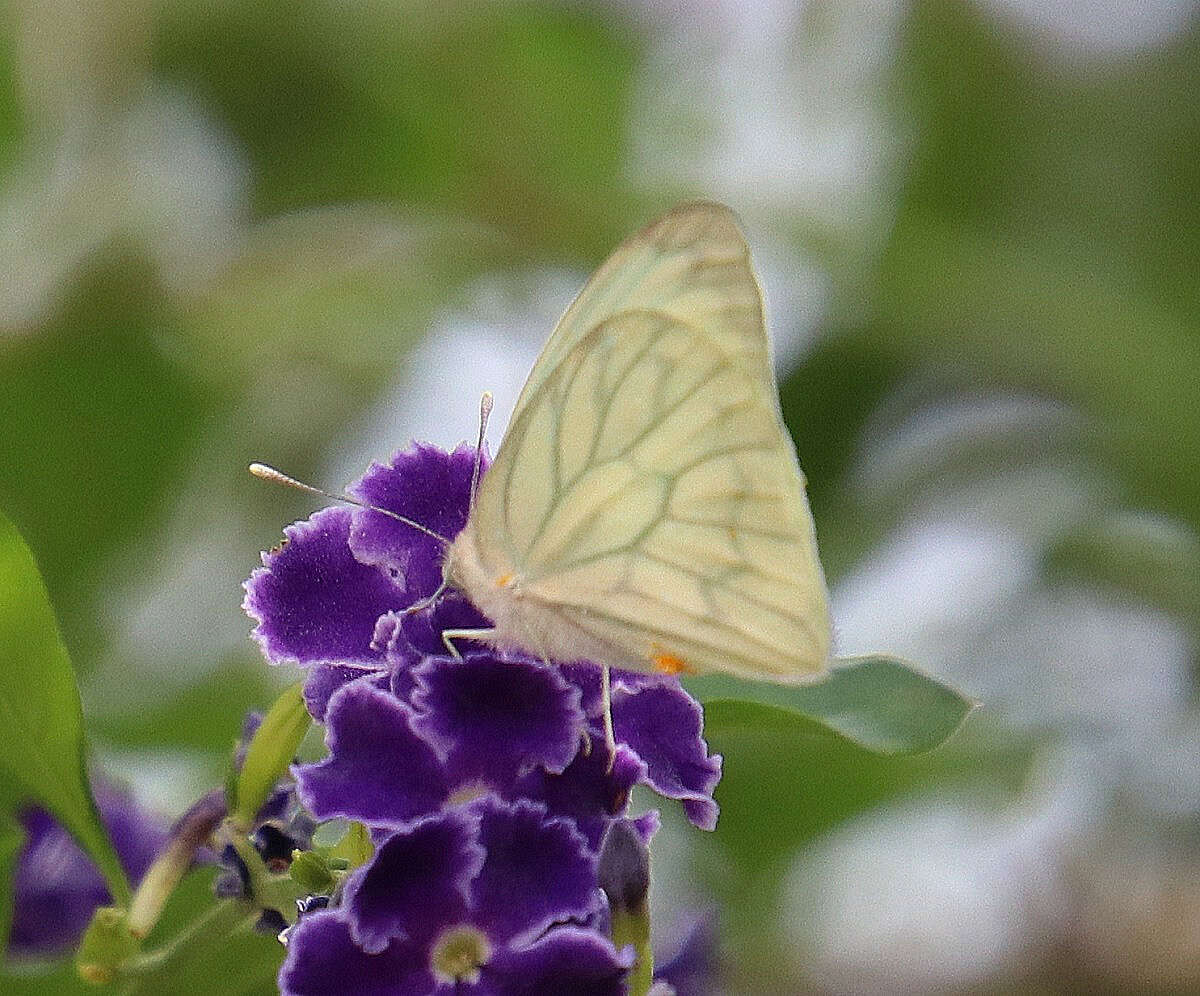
(450, 635)
(427, 601)
(610, 740)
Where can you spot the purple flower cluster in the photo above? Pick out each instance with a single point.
(484, 780)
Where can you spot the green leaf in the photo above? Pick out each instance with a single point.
(42, 745)
(877, 702)
(270, 752)
(11, 839)
(220, 952)
(355, 847)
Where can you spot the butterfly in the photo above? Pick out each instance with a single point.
(646, 509)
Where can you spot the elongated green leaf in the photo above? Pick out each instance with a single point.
(270, 752)
(41, 723)
(877, 702)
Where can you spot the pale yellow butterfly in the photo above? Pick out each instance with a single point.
(646, 509)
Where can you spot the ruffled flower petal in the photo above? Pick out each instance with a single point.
(424, 484)
(417, 881)
(538, 871)
(323, 960)
(493, 717)
(313, 601)
(662, 724)
(378, 770)
(566, 960)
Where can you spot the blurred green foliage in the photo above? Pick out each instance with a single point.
(513, 114)
(100, 425)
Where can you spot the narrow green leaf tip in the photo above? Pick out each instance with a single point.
(42, 746)
(269, 754)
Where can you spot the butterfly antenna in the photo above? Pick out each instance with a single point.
(485, 412)
(261, 470)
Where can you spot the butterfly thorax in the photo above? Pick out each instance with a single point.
(486, 585)
(493, 589)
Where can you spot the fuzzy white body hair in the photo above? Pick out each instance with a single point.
(521, 620)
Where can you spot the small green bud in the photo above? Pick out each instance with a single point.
(312, 872)
(355, 847)
(107, 944)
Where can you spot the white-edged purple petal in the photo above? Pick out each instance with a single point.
(424, 484)
(417, 882)
(567, 960)
(323, 960)
(538, 871)
(493, 717)
(378, 770)
(313, 601)
(662, 724)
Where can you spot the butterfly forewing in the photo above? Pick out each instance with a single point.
(692, 265)
(648, 495)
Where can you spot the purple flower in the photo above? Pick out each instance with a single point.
(334, 596)
(320, 597)
(484, 780)
(489, 898)
(56, 887)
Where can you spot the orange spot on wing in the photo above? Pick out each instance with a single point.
(504, 580)
(665, 663)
